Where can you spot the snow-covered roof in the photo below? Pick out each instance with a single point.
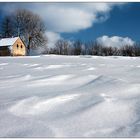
(8, 41)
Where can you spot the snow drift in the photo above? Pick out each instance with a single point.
(69, 96)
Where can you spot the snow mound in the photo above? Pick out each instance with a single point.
(38, 106)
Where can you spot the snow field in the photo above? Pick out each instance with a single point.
(69, 96)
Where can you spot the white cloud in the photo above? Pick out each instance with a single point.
(114, 41)
(73, 17)
(68, 17)
(68, 20)
(52, 38)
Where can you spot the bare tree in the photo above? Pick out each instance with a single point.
(137, 49)
(91, 48)
(77, 47)
(128, 51)
(62, 47)
(30, 28)
(97, 49)
(65, 47)
(6, 27)
(59, 47)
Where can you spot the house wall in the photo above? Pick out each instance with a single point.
(19, 50)
(4, 51)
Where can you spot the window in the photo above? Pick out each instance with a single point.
(21, 46)
(17, 46)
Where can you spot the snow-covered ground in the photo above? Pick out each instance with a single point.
(69, 96)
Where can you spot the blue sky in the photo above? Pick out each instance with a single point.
(108, 22)
(124, 21)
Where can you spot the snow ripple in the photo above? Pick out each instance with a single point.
(38, 105)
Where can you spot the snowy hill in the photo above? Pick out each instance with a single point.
(69, 96)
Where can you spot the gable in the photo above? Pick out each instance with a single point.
(19, 40)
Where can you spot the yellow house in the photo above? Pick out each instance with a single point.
(12, 47)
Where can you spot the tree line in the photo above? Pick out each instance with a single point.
(64, 47)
